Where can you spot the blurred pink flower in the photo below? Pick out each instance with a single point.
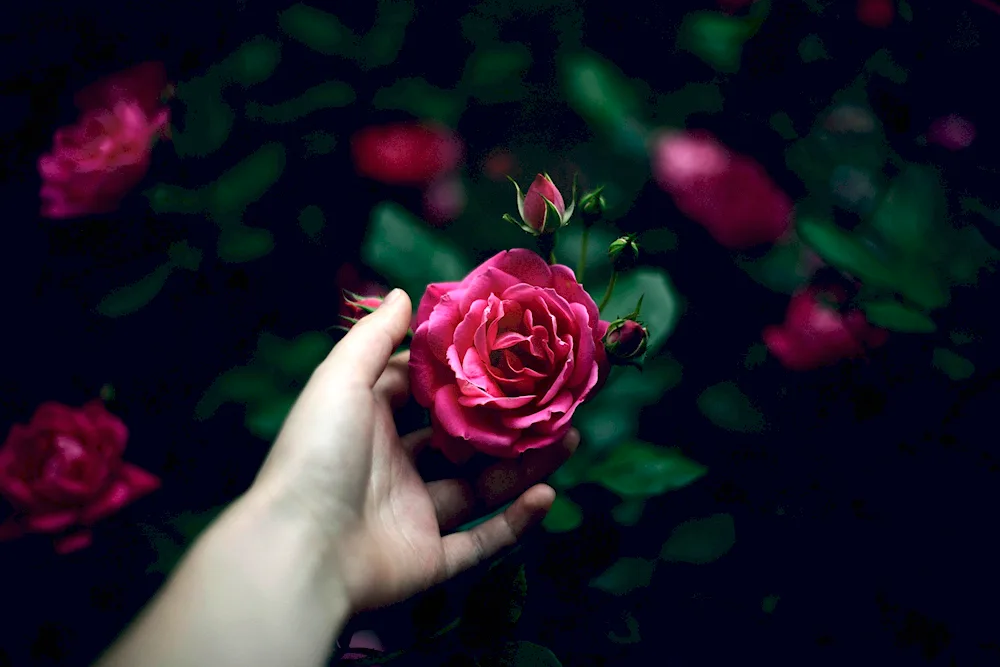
(500, 164)
(95, 162)
(876, 13)
(444, 199)
(952, 132)
(729, 194)
(406, 153)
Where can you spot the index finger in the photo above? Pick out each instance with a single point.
(362, 355)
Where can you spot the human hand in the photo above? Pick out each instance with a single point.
(340, 464)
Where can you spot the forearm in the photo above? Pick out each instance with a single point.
(256, 589)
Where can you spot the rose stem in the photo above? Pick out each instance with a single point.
(581, 265)
(547, 247)
(607, 292)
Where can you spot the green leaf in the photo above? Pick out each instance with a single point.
(519, 654)
(780, 269)
(244, 244)
(248, 181)
(895, 316)
(494, 73)
(633, 636)
(952, 364)
(675, 107)
(629, 511)
(882, 64)
(416, 96)
(597, 90)
(908, 213)
(429, 258)
(564, 516)
(846, 251)
(700, 541)
(319, 142)
(243, 384)
(783, 124)
(184, 256)
(639, 470)
(716, 38)
(318, 30)
(729, 408)
(661, 307)
(130, 298)
(254, 62)
(265, 420)
(625, 575)
(312, 221)
(811, 49)
(327, 95)
(768, 604)
(208, 119)
(166, 198)
(380, 46)
(300, 357)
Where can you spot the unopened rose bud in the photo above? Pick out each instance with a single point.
(593, 206)
(359, 306)
(624, 252)
(543, 209)
(625, 341)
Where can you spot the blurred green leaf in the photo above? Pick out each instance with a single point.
(298, 358)
(729, 408)
(208, 119)
(494, 73)
(969, 254)
(244, 244)
(564, 516)
(243, 384)
(674, 107)
(905, 11)
(312, 221)
(700, 541)
(569, 242)
(254, 62)
(598, 90)
(661, 306)
(327, 95)
(896, 316)
(629, 511)
(811, 49)
(380, 46)
(952, 364)
(414, 95)
(184, 256)
(755, 356)
(768, 604)
(639, 470)
(783, 124)
(908, 213)
(633, 636)
(429, 258)
(166, 198)
(319, 142)
(780, 269)
(519, 654)
(318, 30)
(248, 180)
(882, 64)
(845, 251)
(130, 298)
(716, 38)
(625, 575)
(264, 420)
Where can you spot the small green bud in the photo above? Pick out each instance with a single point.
(593, 206)
(624, 252)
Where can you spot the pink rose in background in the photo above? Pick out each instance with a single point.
(504, 357)
(363, 639)
(500, 164)
(952, 132)
(406, 153)
(816, 334)
(729, 194)
(876, 13)
(444, 199)
(63, 472)
(94, 163)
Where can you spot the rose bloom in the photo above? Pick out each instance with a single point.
(952, 132)
(406, 153)
(95, 162)
(815, 334)
(504, 357)
(729, 194)
(63, 471)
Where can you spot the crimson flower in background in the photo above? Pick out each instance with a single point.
(444, 199)
(729, 194)
(95, 162)
(63, 471)
(876, 13)
(816, 333)
(504, 357)
(952, 132)
(406, 153)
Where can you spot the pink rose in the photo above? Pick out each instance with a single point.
(816, 334)
(63, 471)
(952, 132)
(406, 153)
(504, 357)
(94, 163)
(729, 194)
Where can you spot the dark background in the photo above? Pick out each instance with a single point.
(885, 472)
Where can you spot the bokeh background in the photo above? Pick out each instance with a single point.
(723, 507)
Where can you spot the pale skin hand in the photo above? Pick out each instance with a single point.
(338, 521)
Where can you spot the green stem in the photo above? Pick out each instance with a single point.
(581, 265)
(607, 292)
(547, 247)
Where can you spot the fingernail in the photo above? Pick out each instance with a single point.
(392, 296)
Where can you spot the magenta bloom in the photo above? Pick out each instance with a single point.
(63, 471)
(406, 153)
(535, 208)
(94, 163)
(504, 357)
(952, 132)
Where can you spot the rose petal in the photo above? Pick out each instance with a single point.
(10, 530)
(488, 283)
(526, 266)
(74, 542)
(50, 523)
(561, 403)
(432, 296)
(565, 284)
(462, 422)
(441, 324)
(427, 374)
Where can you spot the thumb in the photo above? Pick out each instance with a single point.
(364, 352)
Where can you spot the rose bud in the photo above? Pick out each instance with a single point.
(624, 252)
(625, 341)
(593, 206)
(358, 306)
(542, 209)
